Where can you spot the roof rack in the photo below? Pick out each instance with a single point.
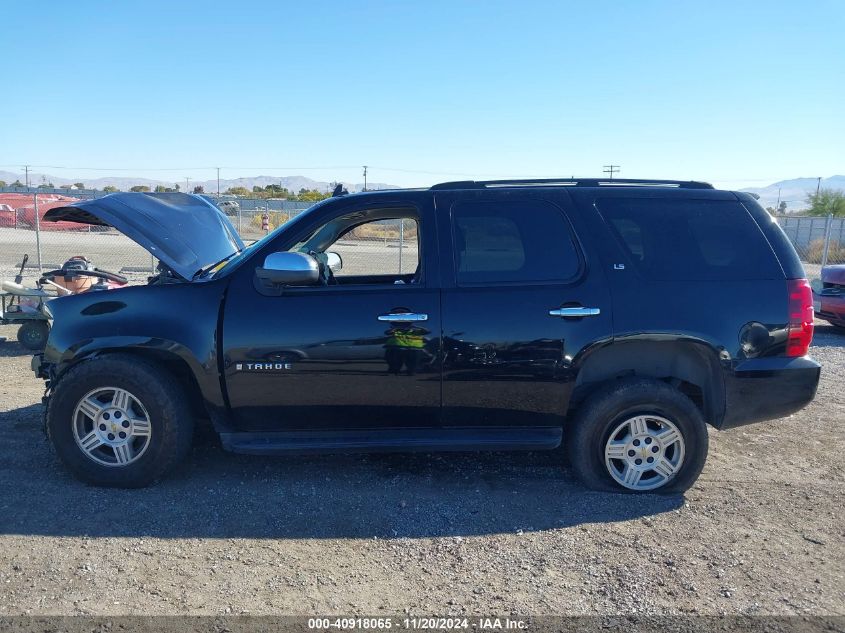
(571, 182)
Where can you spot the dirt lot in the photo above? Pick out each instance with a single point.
(761, 532)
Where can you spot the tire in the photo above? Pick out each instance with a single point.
(33, 335)
(111, 392)
(601, 438)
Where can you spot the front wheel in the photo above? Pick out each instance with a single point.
(118, 420)
(638, 435)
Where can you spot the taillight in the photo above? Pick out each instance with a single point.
(800, 328)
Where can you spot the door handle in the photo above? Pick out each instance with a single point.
(574, 312)
(403, 317)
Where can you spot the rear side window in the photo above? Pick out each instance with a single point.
(507, 242)
(690, 240)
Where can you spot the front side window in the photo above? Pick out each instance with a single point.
(509, 242)
(379, 248)
(376, 246)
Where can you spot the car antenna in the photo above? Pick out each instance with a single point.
(339, 190)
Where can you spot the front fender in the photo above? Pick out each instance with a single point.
(169, 321)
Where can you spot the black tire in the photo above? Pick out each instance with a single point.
(612, 403)
(170, 419)
(33, 335)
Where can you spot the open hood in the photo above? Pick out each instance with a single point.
(186, 232)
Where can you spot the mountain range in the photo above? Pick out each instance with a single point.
(291, 183)
(794, 192)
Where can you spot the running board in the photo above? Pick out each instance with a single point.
(395, 440)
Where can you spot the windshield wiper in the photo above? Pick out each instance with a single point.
(203, 271)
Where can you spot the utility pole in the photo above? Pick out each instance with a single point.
(218, 182)
(777, 206)
(365, 177)
(187, 185)
(612, 169)
(26, 179)
(818, 185)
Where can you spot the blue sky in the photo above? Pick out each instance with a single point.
(740, 93)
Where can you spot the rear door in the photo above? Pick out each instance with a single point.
(522, 298)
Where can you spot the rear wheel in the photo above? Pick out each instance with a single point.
(638, 435)
(118, 420)
(33, 335)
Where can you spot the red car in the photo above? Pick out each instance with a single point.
(829, 295)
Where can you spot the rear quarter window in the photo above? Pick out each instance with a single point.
(690, 240)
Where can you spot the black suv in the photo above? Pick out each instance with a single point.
(617, 318)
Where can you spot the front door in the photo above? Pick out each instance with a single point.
(359, 351)
(521, 300)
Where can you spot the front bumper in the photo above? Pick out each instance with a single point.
(761, 389)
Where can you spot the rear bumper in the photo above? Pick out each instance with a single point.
(761, 389)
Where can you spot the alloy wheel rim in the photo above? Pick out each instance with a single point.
(111, 427)
(644, 452)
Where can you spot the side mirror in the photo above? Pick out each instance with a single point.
(334, 260)
(289, 269)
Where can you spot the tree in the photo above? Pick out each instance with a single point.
(238, 191)
(311, 195)
(827, 202)
(199, 189)
(782, 208)
(2, 183)
(17, 183)
(160, 189)
(110, 189)
(79, 185)
(139, 188)
(46, 185)
(277, 191)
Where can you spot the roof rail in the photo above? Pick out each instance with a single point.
(571, 182)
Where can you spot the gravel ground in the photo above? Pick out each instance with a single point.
(761, 532)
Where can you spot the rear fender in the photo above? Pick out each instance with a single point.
(688, 363)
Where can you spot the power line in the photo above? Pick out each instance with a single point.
(612, 169)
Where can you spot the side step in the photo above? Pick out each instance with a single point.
(395, 440)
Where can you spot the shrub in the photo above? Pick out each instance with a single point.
(835, 253)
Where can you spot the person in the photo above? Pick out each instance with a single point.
(405, 346)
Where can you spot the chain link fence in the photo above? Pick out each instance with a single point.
(379, 247)
(50, 244)
(817, 240)
(383, 247)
